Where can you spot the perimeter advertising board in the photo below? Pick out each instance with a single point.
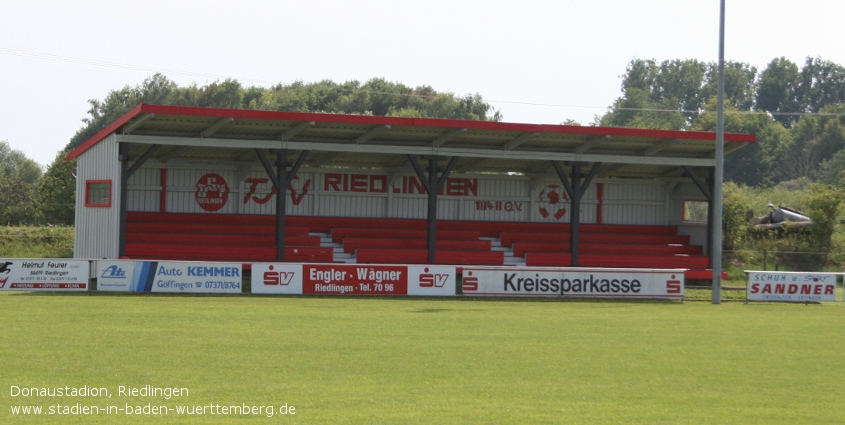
(361, 279)
(791, 286)
(43, 275)
(276, 278)
(573, 282)
(169, 276)
(431, 281)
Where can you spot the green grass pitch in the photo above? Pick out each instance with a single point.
(424, 361)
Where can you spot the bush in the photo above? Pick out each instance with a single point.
(823, 206)
(735, 226)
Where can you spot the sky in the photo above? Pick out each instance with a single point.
(535, 61)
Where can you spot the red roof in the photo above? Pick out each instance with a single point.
(408, 123)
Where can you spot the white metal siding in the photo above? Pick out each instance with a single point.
(96, 228)
(634, 203)
(407, 207)
(360, 193)
(144, 190)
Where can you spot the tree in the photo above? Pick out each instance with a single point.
(749, 165)
(740, 84)
(155, 89)
(822, 84)
(657, 95)
(778, 91)
(18, 183)
(814, 139)
(734, 206)
(824, 204)
(375, 97)
(636, 110)
(57, 191)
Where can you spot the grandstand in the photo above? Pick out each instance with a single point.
(184, 183)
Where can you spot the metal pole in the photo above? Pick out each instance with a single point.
(123, 153)
(575, 215)
(281, 202)
(431, 242)
(716, 251)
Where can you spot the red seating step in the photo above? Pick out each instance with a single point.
(225, 253)
(623, 261)
(217, 239)
(521, 248)
(493, 229)
(189, 218)
(508, 238)
(326, 224)
(228, 229)
(350, 244)
(338, 234)
(420, 256)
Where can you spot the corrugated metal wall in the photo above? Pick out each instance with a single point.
(635, 203)
(96, 228)
(144, 190)
(368, 194)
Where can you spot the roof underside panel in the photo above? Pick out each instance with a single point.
(335, 141)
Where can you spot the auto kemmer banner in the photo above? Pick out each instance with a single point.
(169, 276)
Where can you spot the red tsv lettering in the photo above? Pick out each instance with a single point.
(278, 278)
(433, 280)
(673, 286)
(455, 186)
(295, 196)
(507, 206)
(336, 182)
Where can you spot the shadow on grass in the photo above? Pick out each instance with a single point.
(432, 310)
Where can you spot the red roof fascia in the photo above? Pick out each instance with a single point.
(105, 132)
(401, 122)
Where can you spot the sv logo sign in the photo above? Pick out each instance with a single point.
(433, 280)
(278, 278)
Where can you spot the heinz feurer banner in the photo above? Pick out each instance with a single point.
(573, 282)
(44, 275)
(791, 286)
(360, 279)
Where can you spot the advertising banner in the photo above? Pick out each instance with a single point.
(334, 279)
(115, 275)
(431, 281)
(573, 282)
(276, 278)
(791, 286)
(44, 275)
(359, 279)
(169, 276)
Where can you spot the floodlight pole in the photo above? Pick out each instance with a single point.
(716, 242)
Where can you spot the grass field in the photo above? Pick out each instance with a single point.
(406, 361)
